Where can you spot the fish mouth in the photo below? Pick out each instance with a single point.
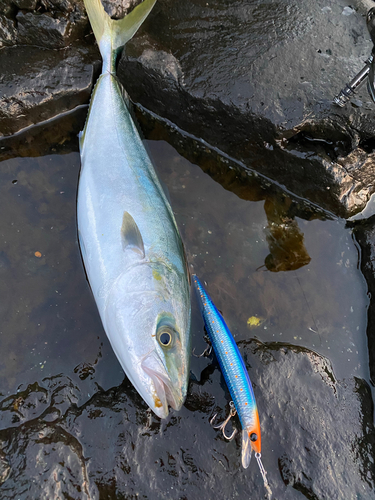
(161, 390)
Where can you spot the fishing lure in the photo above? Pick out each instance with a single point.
(236, 378)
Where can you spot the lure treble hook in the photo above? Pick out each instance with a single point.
(222, 426)
(205, 353)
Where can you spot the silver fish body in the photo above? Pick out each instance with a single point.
(133, 252)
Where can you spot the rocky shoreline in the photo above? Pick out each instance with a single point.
(251, 85)
(254, 82)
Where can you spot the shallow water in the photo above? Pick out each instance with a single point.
(321, 305)
(275, 277)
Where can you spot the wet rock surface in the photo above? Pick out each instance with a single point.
(119, 8)
(112, 447)
(255, 80)
(70, 425)
(45, 23)
(37, 84)
(47, 31)
(364, 232)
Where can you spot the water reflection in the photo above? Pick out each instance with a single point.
(236, 225)
(320, 303)
(284, 237)
(64, 399)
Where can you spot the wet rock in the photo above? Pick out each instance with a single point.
(26, 4)
(8, 32)
(8, 29)
(57, 135)
(7, 7)
(50, 83)
(254, 81)
(47, 31)
(63, 476)
(357, 178)
(119, 8)
(47, 24)
(317, 434)
(4, 468)
(257, 81)
(364, 232)
(50, 23)
(324, 469)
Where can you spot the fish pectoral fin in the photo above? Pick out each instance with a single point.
(131, 236)
(246, 449)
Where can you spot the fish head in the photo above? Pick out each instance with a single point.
(167, 365)
(148, 324)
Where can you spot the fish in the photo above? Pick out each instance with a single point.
(234, 371)
(130, 243)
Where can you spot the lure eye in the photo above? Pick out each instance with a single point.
(253, 436)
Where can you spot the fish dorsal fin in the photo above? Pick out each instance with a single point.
(246, 449)
(131, 236)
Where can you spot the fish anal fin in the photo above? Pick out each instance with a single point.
(246, 449)
(131, 237)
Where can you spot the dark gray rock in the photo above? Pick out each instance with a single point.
(252, 80)
(8, 32)
(119, 8)
(8, 24)
(7, 7)
(58, 134)
(364, 232)
(49, 31)
(48, 24)
(51, 23)
(325, 469)
(26, 4)
(37, 84)
(63, 5)
(317, 433)
(257, 81)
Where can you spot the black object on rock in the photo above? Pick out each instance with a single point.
(367, 72)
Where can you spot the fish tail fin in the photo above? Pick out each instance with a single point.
(246, 449)
(112, 34)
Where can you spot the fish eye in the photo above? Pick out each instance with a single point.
(253, 436)
(165, 336)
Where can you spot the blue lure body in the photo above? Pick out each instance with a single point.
(234, 371)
